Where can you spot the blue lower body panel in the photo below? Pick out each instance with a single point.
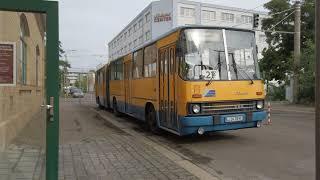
(191, 124)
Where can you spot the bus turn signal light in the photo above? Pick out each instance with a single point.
(259, 93)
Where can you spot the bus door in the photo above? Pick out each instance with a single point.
(167, 87)
(172, 88)
(127, 85)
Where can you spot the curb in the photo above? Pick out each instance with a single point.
(292, 110)
(171, 154)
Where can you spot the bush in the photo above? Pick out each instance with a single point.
(276, 93)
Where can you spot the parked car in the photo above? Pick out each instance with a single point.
(76, 93)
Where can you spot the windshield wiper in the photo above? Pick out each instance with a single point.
(236, 68)
(217, 66)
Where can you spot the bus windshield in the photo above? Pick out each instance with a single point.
(205, 55)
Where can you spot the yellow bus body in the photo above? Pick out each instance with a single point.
(133, 96)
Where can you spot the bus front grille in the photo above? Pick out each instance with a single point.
(228, 107)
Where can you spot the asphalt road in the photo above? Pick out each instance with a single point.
(283, 150)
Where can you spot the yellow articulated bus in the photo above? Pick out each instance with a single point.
(192, 80)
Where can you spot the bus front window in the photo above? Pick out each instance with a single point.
(205, 57)
(242, 55)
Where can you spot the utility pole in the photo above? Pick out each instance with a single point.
(297, 51)
(317, 90)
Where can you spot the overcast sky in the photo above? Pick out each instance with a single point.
(86, 26)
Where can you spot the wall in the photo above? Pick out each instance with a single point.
(21, 103)
(162, 9)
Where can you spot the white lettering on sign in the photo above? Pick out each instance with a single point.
(162, 17)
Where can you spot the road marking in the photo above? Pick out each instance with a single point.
(165, 151)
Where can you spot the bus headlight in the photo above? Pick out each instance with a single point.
(196, 108)
(260, 104)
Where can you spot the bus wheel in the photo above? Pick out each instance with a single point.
(115, 108)
(152, 121)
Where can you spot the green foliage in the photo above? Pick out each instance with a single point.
(63, 67)
(277, 63)
(307, 74)
(277, 93)
(61, 51)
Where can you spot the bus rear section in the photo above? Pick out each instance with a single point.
(102, 87)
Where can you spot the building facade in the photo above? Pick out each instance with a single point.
(20, 100)
(164, 15)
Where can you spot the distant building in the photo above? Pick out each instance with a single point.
(162, 16)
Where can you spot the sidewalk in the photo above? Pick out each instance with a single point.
(93, 148)
(285, 106)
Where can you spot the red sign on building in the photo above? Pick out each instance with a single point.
(7, 63)
(162, 17)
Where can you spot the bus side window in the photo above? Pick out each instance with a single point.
(161, 62)
(171, 60)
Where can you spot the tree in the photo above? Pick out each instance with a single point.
(63, 67)
(61, 51)
(277, 62)
(307, 74)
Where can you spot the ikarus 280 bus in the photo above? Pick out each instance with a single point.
(192, 80)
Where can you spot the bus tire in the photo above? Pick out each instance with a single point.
(115, 108)
(152, 121)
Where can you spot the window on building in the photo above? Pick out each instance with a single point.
(130, 31)
(140, 39)
(148, 17)
(150, 61)
(246, 19)
(135, 43)
(135, 27)
(137, 64)
(24, 32)
(37, 64)
(140, 23)
(208, 15)
(130, 45)
(148, 35)
(228, 17)
(125, 34)
(187, 12)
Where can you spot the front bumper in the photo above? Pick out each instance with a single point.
(191, 124)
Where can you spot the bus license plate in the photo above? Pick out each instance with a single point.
(233, 119)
